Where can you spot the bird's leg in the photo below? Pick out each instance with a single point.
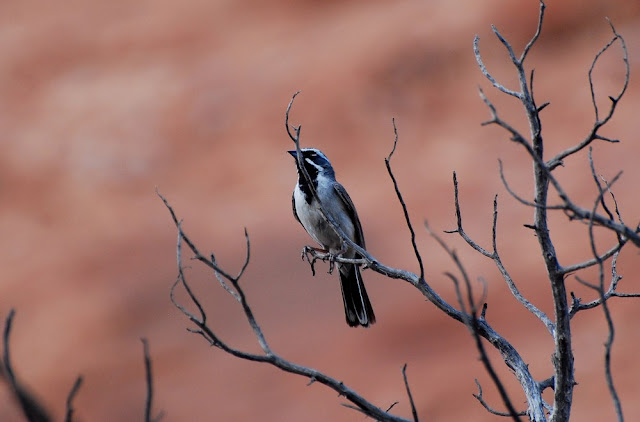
(312, 254)
(333, 255)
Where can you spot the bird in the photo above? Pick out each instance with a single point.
(336, 201)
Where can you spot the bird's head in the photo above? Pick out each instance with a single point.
(314, 161)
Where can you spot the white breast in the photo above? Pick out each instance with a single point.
(315, 224)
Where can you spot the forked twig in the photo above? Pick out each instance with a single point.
(495, 256)
(490, 409)
(598, 123)
(472, 322)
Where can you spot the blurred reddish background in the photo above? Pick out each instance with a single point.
(101, 102)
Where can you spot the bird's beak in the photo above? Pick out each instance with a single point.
(294, 154)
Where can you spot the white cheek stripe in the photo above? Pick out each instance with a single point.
(313, 164)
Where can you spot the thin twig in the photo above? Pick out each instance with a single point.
(605, 307)
(414, 412)
(485, 72)
(625, 58)
(577, 305)
(72, 394)
(149, 382)
(296, 129)
(593, 261)
(407, 219)
(33, 411)
(459, 228)
(521, 199)
(182, 278)
(596, 180)
(535, 37)
(489, 409)
(197, 255)
(598, 123)
(515, 135)
(392, 406)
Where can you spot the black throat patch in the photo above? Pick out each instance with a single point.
(305, 187)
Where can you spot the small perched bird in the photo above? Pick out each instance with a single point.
(336, 201)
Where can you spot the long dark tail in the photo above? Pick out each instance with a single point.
(357, 307)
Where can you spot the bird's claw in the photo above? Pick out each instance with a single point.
(332, 257)
(311, 255)
(332, 261)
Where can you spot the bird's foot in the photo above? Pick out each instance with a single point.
(312, 254)
(332, 256)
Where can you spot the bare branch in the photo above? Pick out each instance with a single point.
(625, 58)
(197, 255)
(535, 37)
(181, 278)
(495, 256)
(547, 383)
(611, 328)
(387, 162)
(459, 228)
(512, 54)
(392, 405)
(563, 354)
(543, 172)
(248, 257)
(269, 356)
(525, 95)
(615, 202)
(406, 384)
(621, 240)
(489, 408)
(224, 283)
(472, 322)
(603, 203)
(607, 354)
(577, 305)
(518, 197)
(295, 136)
(32, 409)
(72, 394)
(149, 382)
(602, 296)
(510, 355)
(579, 213)
(485, 72)
(599, 123)
(591, 262)
(515, 135)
